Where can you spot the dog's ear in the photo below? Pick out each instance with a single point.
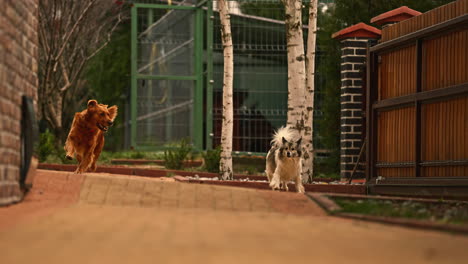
(284, 140)
(112, 112)
(92, 103)
(299, 141)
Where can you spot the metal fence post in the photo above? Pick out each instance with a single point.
(209, 75)
(134, 57)
(198, 96)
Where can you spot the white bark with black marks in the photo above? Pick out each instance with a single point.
(308, 113)
(296, 69)
(225, 165)
(296, 62)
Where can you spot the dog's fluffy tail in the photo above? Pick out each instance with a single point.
(283, 132)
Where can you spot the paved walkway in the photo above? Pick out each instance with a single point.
(100, 218)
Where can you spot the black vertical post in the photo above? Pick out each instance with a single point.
(368, 111)
(371, 117)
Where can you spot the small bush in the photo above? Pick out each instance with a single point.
(174, 159)
(46, 145)
(137, 155)
(49, 151)
(211, 159)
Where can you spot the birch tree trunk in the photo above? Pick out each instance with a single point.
(296, 67)
(296, 62)
(308, 117)
(225, 165)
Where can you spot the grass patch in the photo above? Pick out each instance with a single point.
(211, 159)
(174, 159)
(453, 213)
(106, 157)
(334, 176)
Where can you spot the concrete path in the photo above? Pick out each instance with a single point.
(100, 218)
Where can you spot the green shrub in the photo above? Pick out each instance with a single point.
(49, 151)
(211, 159)
(174, 159)
(46, 145)
(137, 155)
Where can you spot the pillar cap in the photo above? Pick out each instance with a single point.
(360, 30)
(395, 15)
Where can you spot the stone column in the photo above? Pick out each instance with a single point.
(354, 41)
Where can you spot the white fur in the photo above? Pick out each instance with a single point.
(286, 169)
(286, 132)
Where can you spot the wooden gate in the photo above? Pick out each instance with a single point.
(417, 105)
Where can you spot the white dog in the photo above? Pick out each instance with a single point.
(284, 160)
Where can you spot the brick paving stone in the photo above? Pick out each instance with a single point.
(125, 219)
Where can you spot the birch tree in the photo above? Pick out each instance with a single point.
(225, 165)
(296, 69)
(70, 34)
(308, 113)
(300, 81)
(296, 63)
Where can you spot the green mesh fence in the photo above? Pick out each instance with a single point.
(166, 51)
(177, 84)
(260, 74)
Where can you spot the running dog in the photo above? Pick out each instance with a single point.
(86, 137)
(284, 160)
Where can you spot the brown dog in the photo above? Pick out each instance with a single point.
(86, 137)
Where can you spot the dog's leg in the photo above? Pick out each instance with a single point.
(275, 181)
(270, 164)
(269, 175)
(97, 151)
(299, 186)
(285, 186)
(85, 163)
(79, 159)
(69, 149)
(69, 143)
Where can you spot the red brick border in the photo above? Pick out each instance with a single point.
(324, 188)
(116, 169)
(119, 169)
(193, 163)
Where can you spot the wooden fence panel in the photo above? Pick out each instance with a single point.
(418, 132)
(398, 72)
(444, 60)
(427, 19)
(396, 134)
(444, 137)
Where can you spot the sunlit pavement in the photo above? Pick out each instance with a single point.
(103, 218)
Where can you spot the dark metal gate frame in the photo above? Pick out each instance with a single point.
(417, 186)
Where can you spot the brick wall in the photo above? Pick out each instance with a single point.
(354, 42)
(18, 76)
(353, 58)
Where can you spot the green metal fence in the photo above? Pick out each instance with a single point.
(177, 71)
(166, 96)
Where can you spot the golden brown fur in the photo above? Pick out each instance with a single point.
(86, 137)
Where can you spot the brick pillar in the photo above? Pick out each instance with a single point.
(354, 41)
(18, 77)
